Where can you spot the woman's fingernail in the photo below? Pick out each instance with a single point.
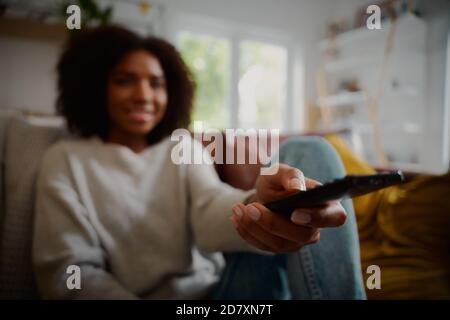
(233, 221)
(295, 183)
(300, 217)
(253, 213)
(316, 237)
(238, 212)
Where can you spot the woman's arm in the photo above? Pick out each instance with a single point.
(210, 202)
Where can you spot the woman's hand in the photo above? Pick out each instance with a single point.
(271, 232)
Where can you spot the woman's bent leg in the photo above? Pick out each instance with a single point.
(249, 276)
(329, 269)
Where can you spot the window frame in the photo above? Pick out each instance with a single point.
(234, 33)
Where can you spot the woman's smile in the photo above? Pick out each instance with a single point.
(141, 115)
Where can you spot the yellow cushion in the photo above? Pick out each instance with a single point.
(405, 231)
(365, 206)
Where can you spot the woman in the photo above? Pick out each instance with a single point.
(112, 202)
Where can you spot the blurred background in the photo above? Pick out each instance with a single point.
(295, 65)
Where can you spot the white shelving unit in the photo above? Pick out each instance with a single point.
(359, 57)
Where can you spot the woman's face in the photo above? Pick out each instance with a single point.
(136, 95)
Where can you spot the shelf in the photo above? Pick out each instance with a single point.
(405, 24)
(33, 29)
(363, 48)
(131, 14)
(369, 60)
(339, 65)
(406, 128)
(358, 62)
(344, 98)
(357, 98)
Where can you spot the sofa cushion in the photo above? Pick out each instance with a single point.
(404, 230)
(25, 143)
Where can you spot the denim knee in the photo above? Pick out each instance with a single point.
(308, 146)
(314, 156)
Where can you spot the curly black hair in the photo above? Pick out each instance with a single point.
(84, 68)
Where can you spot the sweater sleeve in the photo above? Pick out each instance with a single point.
(211, 201)
(63, 236)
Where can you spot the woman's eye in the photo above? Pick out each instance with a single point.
(122, 81)
(157, 84)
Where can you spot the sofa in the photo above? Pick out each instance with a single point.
(23, 142)
(24, 139)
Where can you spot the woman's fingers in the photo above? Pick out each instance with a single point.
(262, 217)
(264, 241)
(247, 236)
(329, 216)
(286, 181)
(311, 183)
(290, 178)
(265, 229)
(260, 227)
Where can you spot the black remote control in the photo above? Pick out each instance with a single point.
(348, 187)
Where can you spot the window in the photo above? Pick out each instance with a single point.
(208, 58)
(262, 85)
(240, 82)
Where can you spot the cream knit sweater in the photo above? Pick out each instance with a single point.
(137, 225)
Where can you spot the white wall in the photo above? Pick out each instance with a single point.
(437, 15)
(30, 64)
(28, 54)
(27, 77)
(27, 74)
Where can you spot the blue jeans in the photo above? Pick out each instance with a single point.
(329, 269)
